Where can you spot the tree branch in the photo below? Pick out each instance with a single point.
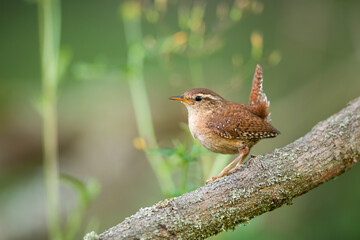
(264, 184)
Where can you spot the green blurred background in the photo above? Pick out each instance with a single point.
(310, 53)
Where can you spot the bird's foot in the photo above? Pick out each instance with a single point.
(213, 179)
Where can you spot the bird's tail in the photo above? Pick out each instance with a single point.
(258, 98)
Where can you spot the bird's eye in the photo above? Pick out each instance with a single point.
(198, 98)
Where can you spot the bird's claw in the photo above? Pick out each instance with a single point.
(213, 178)
(237, 167)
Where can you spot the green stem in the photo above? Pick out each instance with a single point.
(76, 216)
(184, 177)
(131, 13)
(49, 24)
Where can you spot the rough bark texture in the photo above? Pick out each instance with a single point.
(266, 183)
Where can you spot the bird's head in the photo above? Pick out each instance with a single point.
(200, 99)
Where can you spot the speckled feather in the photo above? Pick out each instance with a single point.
(257, 95)
(237, 121)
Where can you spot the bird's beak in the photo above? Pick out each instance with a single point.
(181, 99)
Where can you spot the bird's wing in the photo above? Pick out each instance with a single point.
(246, 125)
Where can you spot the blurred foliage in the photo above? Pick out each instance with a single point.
(180, 158)
(87, 193)
(117, 62)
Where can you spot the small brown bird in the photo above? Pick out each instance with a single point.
(228, 127)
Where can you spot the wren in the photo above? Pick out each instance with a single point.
(228, 127)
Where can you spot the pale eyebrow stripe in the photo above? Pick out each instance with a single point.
(209, 96)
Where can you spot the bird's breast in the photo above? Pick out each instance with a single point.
(199, 128)
(200, 131)
(194, 125)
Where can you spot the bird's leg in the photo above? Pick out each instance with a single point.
(243, 153)
(225, 171)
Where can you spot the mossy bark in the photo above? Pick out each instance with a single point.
(264, 184)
